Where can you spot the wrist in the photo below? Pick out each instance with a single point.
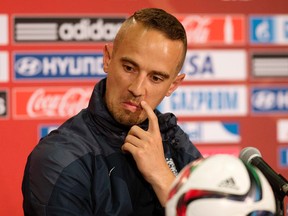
(162, 185)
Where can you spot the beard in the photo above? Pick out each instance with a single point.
(126, 117)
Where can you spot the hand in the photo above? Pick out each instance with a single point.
(146, 146)
(147, 150)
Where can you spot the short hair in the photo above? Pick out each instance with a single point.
(156, 19)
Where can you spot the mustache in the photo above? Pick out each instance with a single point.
(135, 103)
(134, 100)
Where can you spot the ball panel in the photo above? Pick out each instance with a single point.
(220, 185)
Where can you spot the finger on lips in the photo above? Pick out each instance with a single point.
(153, 120)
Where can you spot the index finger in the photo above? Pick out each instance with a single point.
(153, 120)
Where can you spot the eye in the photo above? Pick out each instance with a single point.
(157, 78)
(128, 68)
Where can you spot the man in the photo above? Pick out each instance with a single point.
(120, 155)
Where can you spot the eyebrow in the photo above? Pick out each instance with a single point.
(131, 61)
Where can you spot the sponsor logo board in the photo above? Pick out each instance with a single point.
(49, 102)
(4, 29)
(269, 100)
(44, 130)
(55, 66)
(214, 29)
(4, 64)
(66, 29)
(207, 151)
(3, 104)
(269, 29)
(282, 131)
(270, 65)
(210, 100)
(283, 157)
(212, 132)
(212, 65)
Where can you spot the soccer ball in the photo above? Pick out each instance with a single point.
(220, 185)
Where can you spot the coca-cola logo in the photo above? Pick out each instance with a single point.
(197, 28)
(214, 29)
(66, 104)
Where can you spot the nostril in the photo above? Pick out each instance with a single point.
(136, 88)
(135, 93)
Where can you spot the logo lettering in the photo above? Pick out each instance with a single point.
(85, 30)
(59, 29)
(64, 66)
(45, 104)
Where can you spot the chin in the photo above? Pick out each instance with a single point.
(129, 119)
(129, 122)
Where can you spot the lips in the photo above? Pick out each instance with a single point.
(133, 107)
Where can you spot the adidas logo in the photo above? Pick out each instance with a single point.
(228, 183)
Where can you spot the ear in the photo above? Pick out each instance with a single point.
(174, 85)
(107, 54)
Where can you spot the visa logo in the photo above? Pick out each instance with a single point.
(52, 66)
(269, 100)
(214, 65)
(197, 64)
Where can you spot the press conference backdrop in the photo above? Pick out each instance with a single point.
(235, 93)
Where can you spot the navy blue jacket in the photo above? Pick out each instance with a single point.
(79, 169)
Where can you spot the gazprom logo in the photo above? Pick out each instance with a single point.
(53, 66)
(269, 100)
(210, 100)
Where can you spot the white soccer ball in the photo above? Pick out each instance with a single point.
(220, 185)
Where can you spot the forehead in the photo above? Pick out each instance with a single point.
(148, 46)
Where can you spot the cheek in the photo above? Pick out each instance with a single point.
(116, 75)
(111, 86)
(156, 96)
(116, 85)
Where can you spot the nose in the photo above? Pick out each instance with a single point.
(137, 86)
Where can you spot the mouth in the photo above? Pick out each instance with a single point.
(132, 106)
